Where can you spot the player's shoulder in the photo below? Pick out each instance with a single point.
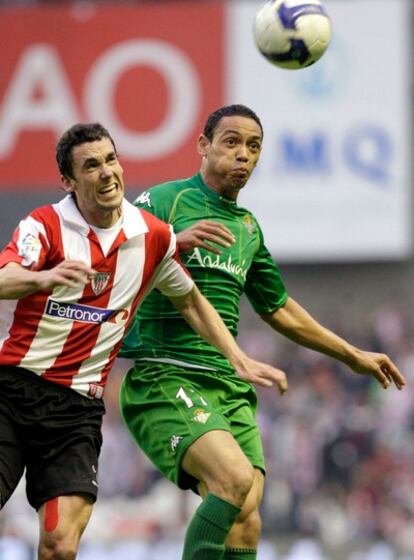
(152, 221)
(159, 234)
(166, 190)
(251, 223)
(175, 185)
(43, 217)
(248, 213)
(43, 212)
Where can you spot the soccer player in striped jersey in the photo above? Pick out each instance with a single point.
(181, 401)
(70, 281)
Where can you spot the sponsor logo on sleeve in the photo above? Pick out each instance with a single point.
(144, 199)
(174, 442)
(30, 244)
(29, 248)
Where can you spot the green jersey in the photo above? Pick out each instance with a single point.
(159, 333)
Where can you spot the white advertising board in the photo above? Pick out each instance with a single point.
(334, 181)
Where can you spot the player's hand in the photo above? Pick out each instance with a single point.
(68, 273)
(380, 366)
(261, 374)
(202, 234)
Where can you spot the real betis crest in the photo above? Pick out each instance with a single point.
(248, 224)
(99, 282)
(201, 416)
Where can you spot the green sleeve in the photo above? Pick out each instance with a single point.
(264, 286)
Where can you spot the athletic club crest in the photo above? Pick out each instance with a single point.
(99, 282)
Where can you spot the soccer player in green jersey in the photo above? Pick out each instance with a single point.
(182, 401)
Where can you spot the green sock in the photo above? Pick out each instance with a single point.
(240, 554)
(208, 529)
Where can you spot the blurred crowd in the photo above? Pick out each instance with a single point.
(339, 450)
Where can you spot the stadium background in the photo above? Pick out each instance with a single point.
(334, 195)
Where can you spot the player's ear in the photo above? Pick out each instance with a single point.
(202, 145)
(67, 184)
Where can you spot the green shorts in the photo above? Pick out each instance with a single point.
(167, 407)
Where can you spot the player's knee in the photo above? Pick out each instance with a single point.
(252, 523)
(246, 482)
(56, 546)
(237, 485)
(246, 531)
(249, 514)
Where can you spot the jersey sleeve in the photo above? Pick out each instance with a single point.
(29, 245)
(264, 286)
(171, 277)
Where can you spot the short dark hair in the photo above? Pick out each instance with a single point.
(77, 134)
(228, 111)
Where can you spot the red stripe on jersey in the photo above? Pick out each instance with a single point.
(107, 369)
(21, 334)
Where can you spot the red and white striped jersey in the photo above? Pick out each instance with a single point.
(71, 335)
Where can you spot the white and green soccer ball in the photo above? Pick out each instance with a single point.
(292, 34)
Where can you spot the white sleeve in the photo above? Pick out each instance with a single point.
(171, 277)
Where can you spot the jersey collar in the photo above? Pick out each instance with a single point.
(214, 194)
(133, 222)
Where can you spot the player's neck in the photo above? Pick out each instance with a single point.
(103, 219)
(227, 191)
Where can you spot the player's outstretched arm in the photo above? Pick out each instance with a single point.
(17, 282)
(202, 234)
(296, 323)
(205, 320)
(378, 365)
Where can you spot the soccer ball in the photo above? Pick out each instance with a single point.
(292, 33)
